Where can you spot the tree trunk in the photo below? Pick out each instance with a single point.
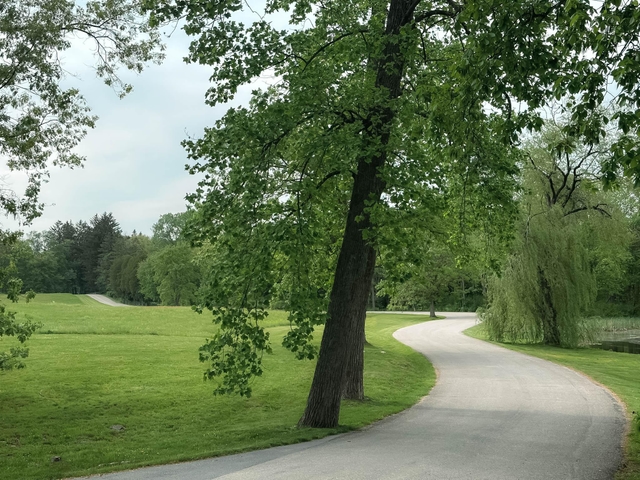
(373, 296)
(354, 378)
(550, 330)
(347, 305)
(432, 312)
(344, 329)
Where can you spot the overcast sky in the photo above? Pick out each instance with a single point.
(135, 163)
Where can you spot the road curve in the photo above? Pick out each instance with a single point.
(493, 414)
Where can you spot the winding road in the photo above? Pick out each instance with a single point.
(493, 414)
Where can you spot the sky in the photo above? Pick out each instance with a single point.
(135, 165)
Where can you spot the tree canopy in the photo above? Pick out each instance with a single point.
(384, 112)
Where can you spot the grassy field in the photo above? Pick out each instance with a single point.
(92, 367)
(620, 372)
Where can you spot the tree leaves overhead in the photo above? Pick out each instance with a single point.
(278, 173)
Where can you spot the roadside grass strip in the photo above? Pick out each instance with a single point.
(620, 372)
(109, 389)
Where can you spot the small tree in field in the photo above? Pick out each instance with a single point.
(421, 280)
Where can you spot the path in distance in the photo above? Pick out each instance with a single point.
(493, 414)
(106, 300)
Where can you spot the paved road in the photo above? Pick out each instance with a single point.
(106, 300)
(494, 414)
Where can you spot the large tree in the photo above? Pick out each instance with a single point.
(379, 109)
(170, 275)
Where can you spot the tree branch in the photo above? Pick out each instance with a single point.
(328, 44)
(327, 177)
(576, 179)
(422, 16)
(597, 208)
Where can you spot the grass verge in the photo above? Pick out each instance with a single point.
(93, 366)
(620, 372)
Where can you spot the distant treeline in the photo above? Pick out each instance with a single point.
(95, 257)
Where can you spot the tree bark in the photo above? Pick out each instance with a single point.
(344, 329)
(432, 312)
(373, 296)
(354, 380)
(347, 304)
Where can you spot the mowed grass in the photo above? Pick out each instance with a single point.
(99, 366)
(620, 372)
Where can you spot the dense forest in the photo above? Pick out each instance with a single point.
(96, 257)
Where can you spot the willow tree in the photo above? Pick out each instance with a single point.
(550, 281)
(374, 105)
(545, 289)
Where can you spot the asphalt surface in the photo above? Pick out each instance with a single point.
(106, 300)
(493, 414)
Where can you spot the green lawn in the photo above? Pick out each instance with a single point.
(92, 366)
(620, 372)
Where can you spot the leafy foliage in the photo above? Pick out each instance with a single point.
(10, 327)
(425, 275)
(170, 274)
(170, 228)
(571, 242)
(233, 353)
(40, 120)
(544, 290)
(128, 253)
(279, 174)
